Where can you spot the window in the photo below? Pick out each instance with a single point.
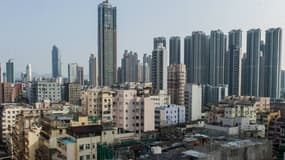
(81, 158)
(87, 146)
(81, 148)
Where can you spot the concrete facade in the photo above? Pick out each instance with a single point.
(176, 82)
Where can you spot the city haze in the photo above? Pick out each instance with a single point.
(29, 29)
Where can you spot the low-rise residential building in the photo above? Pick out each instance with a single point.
(25, 136)
(133, 111)
(8, 113)
(262, 104)
(45, 90)
(98, 102)
(241, 110)
(169, 115)
(53, 126)
(73, 93)
(6, 92)
(162, 98)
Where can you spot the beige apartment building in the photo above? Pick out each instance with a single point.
(133, 112)
(98, 102)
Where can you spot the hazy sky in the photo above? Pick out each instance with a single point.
(29, 28)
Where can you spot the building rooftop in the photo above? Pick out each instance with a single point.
(195, 154)
(85, 131)
(59, 116)
(66, 140)
(241, 143)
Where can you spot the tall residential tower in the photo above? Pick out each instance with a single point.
(159, 68)
(235, 44)
(196, 57)
(272, 77)
(174, 50)
(251, 64)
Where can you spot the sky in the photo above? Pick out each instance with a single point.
(29, 28)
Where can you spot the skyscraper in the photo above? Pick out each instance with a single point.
(158, 40)
(107, 44)
(93, 73)
(10, 71)
(139, 72)
(196, 57)
(129, 66)
(159, 68)
(174, 50)
(80, 75)
(235, 45)
(56, 62)
(261, 69)
(282, 83)
(72, 73)
(273, 45)
(29, 77)
(218, 43)
(0, 73)
(176, 83)
(251, 64)
(147, 68)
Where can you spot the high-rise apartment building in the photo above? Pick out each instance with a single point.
(0, 73)
(147, 68)
(158, 40)
(72, 73)
(107, 44)
(282, 83)
(29, 76)
(262, 68)
(273, 45)
(176, 82)
(251, 64)
(56, 62)
(159, 68)
(10, 71)
(129, 66)
(196, 57)
(139, 72)
(80, 75)
(93, 73)
(41, 90)
(174, 50)
(193, 102)
(235, 44)
(218, 43)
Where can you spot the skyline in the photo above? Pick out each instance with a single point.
(75, 27)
